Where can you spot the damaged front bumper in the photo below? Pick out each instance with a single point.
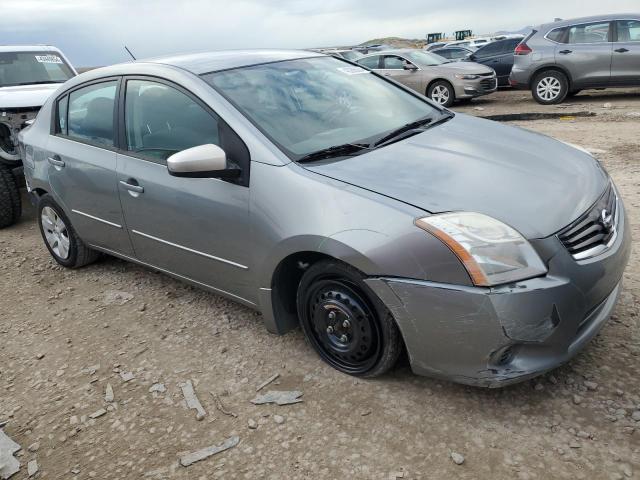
(497, 336)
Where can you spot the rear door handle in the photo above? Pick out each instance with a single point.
(621, 50)
(131, 187)
(56, 161)
(565, 52)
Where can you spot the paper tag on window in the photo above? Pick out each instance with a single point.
(48, 59)
(353, 70)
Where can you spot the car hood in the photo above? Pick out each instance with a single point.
(464, 67)
(22, 96)
(529, 181)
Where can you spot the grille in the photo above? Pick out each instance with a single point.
(594, 231)
(488, 83)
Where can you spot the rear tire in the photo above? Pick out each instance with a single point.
(442, 93)
(550, 87)
(345, 322)
(62, 241)
(10, 201)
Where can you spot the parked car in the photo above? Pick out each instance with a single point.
(453, 53)
(28, 75)
(498, 55)
(327, 196)
(560, 59)
(374, 47)
(347, 53)
(433, 46)
(472, 43)
(432, 75)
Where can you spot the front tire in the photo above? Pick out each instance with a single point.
(62, 241)
(10, 201)
(345, 322)
(442, 93)
(550, 87)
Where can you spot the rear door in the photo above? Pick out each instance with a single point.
(82, 163)
(585, 51)
(625, 64)
(197, 228)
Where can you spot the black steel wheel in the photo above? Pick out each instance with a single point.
(345, 323)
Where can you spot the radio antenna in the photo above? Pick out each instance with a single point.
(129, 52)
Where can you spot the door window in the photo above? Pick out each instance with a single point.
(90, 116)
(61, 115)
(628, 30)
(589, 33)
(394, 63)
(370, 62)
(162, 120)
(490, 50)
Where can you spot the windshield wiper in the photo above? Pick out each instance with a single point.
(399, 131)
(412, 128)
(343, 150)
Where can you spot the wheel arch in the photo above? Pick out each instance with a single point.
(439, 79)
(551, 67)
(284, 268)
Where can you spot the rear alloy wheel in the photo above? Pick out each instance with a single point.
(345, 322)
(63, 243)
(442, 93)
(550, 87)
(10, 202)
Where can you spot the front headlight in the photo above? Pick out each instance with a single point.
(492, 252)
(467, 76)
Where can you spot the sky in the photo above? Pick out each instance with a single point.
(94, 32)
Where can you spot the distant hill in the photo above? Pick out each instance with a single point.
(398, 42)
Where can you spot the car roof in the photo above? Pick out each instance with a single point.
(27, 48)
(395, 51)
(207, 62)
(593, 18)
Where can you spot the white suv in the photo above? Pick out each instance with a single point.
(29, 74)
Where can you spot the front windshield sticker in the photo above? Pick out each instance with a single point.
(48, 59)
(353, 70)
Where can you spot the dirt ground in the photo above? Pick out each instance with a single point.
(66, 335)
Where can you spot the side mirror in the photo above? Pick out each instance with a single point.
(203, 161)
(409, 66)
(472, 57)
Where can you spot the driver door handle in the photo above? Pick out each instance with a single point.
(131, 187)
(565, 52)
(621, 50)
(56, 161)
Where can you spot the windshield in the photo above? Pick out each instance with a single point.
(425, 59)
(30, 68)
(311, 104)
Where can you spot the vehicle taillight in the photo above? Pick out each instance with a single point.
(522, 49)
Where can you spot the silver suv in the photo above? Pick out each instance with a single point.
(560, 59)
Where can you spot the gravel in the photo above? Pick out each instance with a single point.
(363, 429)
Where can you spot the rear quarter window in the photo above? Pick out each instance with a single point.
(557, 35)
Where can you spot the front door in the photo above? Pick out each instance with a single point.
(625, 64)
(393, 66)
(82, 165)
(197, 228)
(587, 54)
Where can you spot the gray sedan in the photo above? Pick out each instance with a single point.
(326, 196)
(443, 81)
